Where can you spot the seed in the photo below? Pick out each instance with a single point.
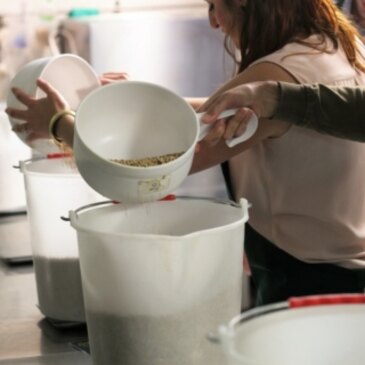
(150, 161)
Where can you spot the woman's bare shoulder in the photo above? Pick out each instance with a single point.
(264, 71)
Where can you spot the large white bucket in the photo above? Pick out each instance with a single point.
(12, 193)
(53, 187)
(318, 330)
(157, 277)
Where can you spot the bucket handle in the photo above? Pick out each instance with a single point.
(91, 205)
(226, 331)
(48, 156)
(169, 197)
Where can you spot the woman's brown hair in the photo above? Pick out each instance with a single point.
(270, 24)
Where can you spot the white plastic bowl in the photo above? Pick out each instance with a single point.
(135, 120)
(131, 120)
(71, 75)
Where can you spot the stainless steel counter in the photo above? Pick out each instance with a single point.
(59, 359)
(26, 337)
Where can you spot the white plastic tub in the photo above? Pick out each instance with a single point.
(318, 330)
(157, 277)
(53, 187)
(12, 193)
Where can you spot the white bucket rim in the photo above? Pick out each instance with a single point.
(243, 205)
(226, 333)
(24, 164)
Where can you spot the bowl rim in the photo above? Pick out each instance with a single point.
(115, 165)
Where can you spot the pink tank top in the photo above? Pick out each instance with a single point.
(308, 189)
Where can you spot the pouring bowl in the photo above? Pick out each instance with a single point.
(132, 120)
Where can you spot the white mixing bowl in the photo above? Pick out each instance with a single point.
(71, 75)
(132, 120)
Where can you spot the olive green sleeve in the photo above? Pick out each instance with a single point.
(338, 111)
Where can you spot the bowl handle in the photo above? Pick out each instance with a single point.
(250, 129)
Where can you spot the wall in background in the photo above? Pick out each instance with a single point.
(26, 26)
(16, 6)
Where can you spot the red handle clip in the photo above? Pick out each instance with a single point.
(312, 300)
(169, 197)
(59, 155)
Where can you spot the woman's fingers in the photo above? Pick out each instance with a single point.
(23, 97)
(19, 128)
(248, 113)
(108, 77)
(229, 128)
(237, 125)
(215, 133)
(115, 75)
(213, 108)
(52, 93)
(17, 113)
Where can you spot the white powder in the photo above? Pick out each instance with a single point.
(59, 288)
(178, 339)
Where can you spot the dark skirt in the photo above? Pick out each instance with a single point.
(277, 276)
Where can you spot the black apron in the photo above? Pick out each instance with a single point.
(277, 276)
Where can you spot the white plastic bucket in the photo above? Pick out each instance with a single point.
(53, 187)
(318, 330)
(12, 193)
(157, 277)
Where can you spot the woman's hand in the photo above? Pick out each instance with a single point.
(260, 98)
(226, 128)
(38, 112)
(109, 77)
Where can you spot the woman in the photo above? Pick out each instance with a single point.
(306, 233)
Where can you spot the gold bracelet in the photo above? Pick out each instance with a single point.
(53, 124)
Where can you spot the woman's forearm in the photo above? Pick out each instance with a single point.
(196, 103)
(338, 111)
